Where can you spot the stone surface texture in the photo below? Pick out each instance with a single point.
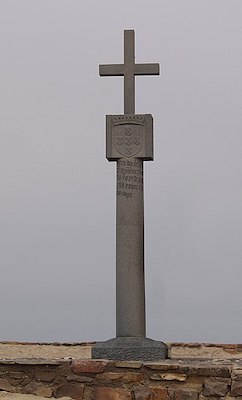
(15, 350)
(105, 393)
(75, 391)
(39, 389)
(88, 366)
(129, 135)
(216, 387)
(130, 348)
(204, 350)
(130, 287)
(85, 379)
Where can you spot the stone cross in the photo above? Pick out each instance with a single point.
(129, 142)
(129, 69)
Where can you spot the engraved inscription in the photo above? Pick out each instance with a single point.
(129, 178)
(128, 138)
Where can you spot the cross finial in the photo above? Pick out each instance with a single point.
(129, 69)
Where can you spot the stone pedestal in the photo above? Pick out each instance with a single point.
(130, 349)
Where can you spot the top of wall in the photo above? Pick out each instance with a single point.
(13, 350)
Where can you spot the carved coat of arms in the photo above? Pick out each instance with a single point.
(128, 138)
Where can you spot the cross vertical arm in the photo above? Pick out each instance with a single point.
(129, 78)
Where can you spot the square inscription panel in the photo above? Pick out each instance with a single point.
(129, 135)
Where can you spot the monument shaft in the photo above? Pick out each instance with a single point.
(129, 142)
(130, 290)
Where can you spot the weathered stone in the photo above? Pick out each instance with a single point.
(128, 364)
(77, 378)
(31, 361)
(13, 374)
(88, 366)
(45, 376)
(5, 385)
(37, 389)
(236, 375)
(21, 396)
(160, 393)
(73, 390)
(104, 393)
(151, 393)
(209, 370)
(193, 367)
(202, 350)
(167, 366)
(143, 394)
(130, 348)
(215, 388)
(17, 375)
(185, 394)
(194, 386)
(47, 351)
(168, 377)
(120, 377)
(223, 398)
(236, 388)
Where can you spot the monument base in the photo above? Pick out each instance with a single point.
(130, 349)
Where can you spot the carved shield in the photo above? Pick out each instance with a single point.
(128, 138)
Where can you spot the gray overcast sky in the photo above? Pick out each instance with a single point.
(57, 190)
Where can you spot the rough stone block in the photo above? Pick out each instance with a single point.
(143, 393)
(104, 393)
(5, 385)
(73, 390)
(161, 393)
(167, 365)
(120, 377)
(236, 375)
(223, 398)
(236, 388)
(78, 378)
(185, 394)
(128, 364)
(45, 376)
(38, 389)
(168, 377)
(151, 393)
(215, 388)
(88, 366)
(17, 375)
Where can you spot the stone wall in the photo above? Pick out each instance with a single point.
(194, 371)
(172, 379)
